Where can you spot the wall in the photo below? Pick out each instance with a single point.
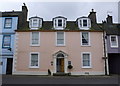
(48, 47)
(11, 32)
(5, 53)
(113, 50)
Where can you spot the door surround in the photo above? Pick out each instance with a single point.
(60, 54)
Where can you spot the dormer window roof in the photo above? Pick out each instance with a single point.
(84, 23)
(59, 22)
(35, 23)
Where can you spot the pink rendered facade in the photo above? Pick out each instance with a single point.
(48, 50)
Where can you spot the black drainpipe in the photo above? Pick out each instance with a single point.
(105, 57)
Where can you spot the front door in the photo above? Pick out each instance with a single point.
(60, 64)
(9, 66)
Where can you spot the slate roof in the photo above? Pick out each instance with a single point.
(112, 29)
(70, 25)
(35, 17)
(22, 16)
(60, 17)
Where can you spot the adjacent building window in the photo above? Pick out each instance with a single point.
(35, 38)
(60, 39)
(114, 41)
(85, 39)
(34, 60)
(6, 41)
(8, 22)
(86, 62)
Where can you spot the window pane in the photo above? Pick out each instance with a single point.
(64, 24)
(34, 59)
(6, 41)
(85, 40)
(86, 60)
(80, 23)
(8, 22)
(113, 41)
(69, 62)
(55, 23)
(59, 22)
(35, 37)
(60, 37)
(60, 55)
(86, 63)
(84, 22)
(60, 41)
(35, 23)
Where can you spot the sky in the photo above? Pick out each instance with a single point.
(67, 8)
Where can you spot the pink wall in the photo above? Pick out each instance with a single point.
(48, 47)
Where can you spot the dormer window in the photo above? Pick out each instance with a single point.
(35, 23)
(59, 23)
(84, 23)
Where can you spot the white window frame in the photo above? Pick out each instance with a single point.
(84, 27)
(38, 60)
(31, 40)
(89, 43)
(82, 59)
(5, 25)
(116, 41)
(56, 23)
(56, 39)
(3, 46)
(39, 23)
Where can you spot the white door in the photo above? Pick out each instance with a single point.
(4, 63)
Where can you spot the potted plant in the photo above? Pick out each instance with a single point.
(70, 67)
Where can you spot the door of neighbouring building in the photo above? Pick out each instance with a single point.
(114, 61)
(9, 65)
(1, 65)
(60, 64)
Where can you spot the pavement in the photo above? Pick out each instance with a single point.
(19, 79)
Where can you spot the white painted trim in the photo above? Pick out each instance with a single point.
(38, 60)
(116, 41)
(89, 40)
(90, 73)
(34, 45)
(54, 63)
(82, 60)
(15, 52)
(65, 64)
(56, 39)
(30, 73)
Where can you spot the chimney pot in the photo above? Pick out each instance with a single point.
(92, 10)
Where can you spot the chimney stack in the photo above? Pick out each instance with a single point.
(92, 16)
(109, 19)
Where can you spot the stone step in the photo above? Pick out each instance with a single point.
(61, 74)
